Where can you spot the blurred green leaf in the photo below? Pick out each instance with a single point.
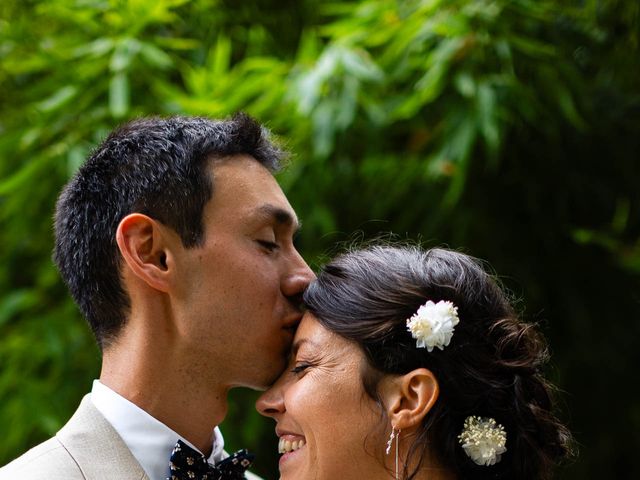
(119, 95)
(124, 53)
(58, 99)
(154, 56)
(221, 56)
(16, 301)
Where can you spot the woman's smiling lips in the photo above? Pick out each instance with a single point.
(285, 446)
(289, 444)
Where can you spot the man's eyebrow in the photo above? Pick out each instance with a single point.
(281, 216)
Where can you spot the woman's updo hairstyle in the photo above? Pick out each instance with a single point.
(491, 368)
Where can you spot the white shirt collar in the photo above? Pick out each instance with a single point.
(150, 441)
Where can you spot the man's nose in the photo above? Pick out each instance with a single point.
(298, 277)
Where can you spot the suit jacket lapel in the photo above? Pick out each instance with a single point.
(97, 448)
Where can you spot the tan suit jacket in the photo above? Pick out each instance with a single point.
(86, 448)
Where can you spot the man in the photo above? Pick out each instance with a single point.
(176, 242)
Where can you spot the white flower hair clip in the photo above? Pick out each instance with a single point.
(432, 325)
(483, 440)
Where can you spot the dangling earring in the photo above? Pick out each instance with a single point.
(393, 436)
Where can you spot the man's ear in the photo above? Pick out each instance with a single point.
(408, 398)
(143, 244)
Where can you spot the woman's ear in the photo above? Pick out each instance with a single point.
(144, 247)
(408, 398)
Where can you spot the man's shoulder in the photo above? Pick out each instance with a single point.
(87, 447)
(48, 460)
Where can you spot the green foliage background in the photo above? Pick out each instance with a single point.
(510, 129)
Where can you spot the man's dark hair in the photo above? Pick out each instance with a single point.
(153, 166)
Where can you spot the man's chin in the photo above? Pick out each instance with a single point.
(267, 377)
(274, 374)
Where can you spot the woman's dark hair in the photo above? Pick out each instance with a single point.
(491, 368)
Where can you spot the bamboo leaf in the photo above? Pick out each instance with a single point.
(119, 95)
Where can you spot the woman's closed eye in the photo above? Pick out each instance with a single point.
(300, 368)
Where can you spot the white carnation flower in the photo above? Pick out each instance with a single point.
(432, 325)
(483, 440)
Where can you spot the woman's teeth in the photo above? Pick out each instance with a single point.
(285, 446)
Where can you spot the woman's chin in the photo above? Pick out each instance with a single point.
(291, 462)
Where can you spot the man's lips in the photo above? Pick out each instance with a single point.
(291, 321)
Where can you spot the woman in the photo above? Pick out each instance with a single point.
(412, 364)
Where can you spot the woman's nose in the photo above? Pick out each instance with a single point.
(271, 402)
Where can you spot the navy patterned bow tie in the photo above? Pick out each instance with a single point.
(189, 464)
